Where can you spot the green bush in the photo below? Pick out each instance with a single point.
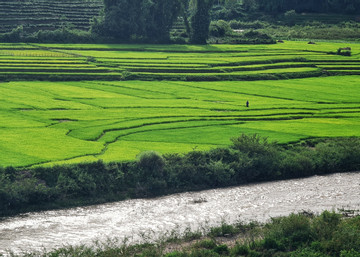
(62, 35)
(307, 252)
(178, 40)
(203, 253)
(219, 173)
(346, 237)
(222, 249)
(297, 163)
(340, 51)
(14, 36)
(253, 253)
(271, 243)
(338, 154)
(22, 189)
(253, 144)
(325, 225)
(206, 243)
(252, 34)
(236, 24)
(223, 230)
(219, 28)
(290, 232)
(176, 254)
(152, 163)
(227, 11)
(239, 249)
(350, 253)
(290, 14)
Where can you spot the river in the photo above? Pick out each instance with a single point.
(139, 218)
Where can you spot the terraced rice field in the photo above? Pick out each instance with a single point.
(36, 15)
(188, 63)
(114, 111)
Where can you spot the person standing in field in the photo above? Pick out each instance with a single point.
(247, 103)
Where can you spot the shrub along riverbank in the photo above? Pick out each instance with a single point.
(248, 159)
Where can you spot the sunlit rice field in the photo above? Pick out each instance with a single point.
(74, 103)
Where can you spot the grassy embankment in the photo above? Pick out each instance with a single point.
(101, 117)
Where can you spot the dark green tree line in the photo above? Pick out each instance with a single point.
(145, 20)
(250, 158)
(151, 20)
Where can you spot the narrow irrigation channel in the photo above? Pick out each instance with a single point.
(140, 219)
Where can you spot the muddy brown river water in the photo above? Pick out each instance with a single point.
(139, 218)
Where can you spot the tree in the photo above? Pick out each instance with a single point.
(161, 17)
(200, 20)
(146, 20)
(122, 18)
(249, 5)
(184, 13)
(151, 163)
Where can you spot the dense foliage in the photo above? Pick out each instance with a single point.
(236, 8)
(248, 159)
(329, 234)
(200, 21)
(60, 35)
(177, 21)
(333, 6)
(151, 21)
(142, 20)
(310, 20)
(297, 27)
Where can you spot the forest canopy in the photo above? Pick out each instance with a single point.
(139, 19)
(175, 21)
(152, 20)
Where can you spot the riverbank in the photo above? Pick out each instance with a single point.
(300, 234)
(249, 159)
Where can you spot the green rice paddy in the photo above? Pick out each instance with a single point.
(74, 103)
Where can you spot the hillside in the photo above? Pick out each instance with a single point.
(36, 15)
